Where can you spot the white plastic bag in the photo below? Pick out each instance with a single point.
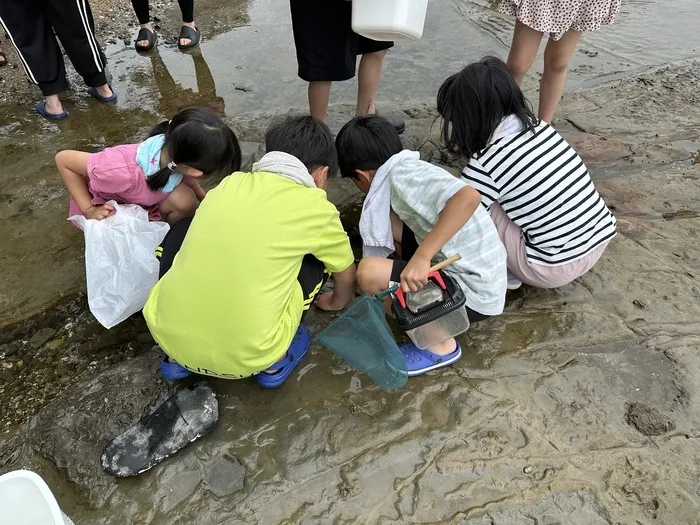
(120, 261)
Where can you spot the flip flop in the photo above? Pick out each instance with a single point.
(194, 35)
(41, 109)
(105, 100)
(420, 361)
(173, 371)
(186, 416)
(145, 34)
(4, 61)
(285, 366)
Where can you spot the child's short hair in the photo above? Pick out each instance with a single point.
(365, 143)
(305, 137)
(474, 101)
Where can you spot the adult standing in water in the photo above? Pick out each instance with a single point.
(147, 38)
(32, 27)
(327, 50)
(563, 21)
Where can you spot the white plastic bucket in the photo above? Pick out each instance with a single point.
(25, 499)
(389, 19)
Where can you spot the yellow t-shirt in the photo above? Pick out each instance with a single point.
(230, 304)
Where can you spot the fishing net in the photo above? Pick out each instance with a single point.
(363, 339)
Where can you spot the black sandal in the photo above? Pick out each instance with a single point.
(145, 34)
(193, 34)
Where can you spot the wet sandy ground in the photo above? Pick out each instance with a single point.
(575, 406)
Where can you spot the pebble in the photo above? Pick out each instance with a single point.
(224, 475)
(41, 337)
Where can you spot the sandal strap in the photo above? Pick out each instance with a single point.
(145, 34)
(188, 32)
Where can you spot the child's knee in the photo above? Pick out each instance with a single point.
(372, 275)
(182, 199)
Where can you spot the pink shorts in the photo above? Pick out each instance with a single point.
(533, 274)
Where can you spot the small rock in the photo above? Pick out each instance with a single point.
(41, 337)
(224, 475)
(640, 304)
(647, 420)
(56, 343)
(4, 348)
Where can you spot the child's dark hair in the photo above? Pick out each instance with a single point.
(305, 137)
(474, 101)
(200, 139)
(365, 143)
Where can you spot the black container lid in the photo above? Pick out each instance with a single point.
(452, 299)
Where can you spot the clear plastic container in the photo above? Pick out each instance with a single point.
(433, 314)
(440, 330)
(389, 19)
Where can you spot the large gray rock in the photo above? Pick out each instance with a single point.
(72, 431)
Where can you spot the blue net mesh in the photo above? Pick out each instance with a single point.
(362, 338)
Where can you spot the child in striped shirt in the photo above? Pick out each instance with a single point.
(552, 221)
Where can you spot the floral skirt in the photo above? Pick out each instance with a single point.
(556, 17)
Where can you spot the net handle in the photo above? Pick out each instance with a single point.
(439, 266)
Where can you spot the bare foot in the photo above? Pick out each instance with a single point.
(187, 41)
(444, 348)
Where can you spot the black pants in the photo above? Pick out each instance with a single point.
(141, 8)
(30, 26)
(312, 274)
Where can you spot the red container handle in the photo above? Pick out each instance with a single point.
(432, 275)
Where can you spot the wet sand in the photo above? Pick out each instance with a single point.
(575, 406)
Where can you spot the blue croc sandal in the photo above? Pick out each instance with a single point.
(421, 361)
(41, 109)
(105, 100)
(285, 366)
(173, 371)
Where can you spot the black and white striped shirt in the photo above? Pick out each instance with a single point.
(544, 187)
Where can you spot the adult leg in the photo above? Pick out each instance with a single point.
(523, 50)
(557, 55)
(75, 28)
(28, 29)
(187, 10)
(143, 14)
(368, 76)
(319, 97)
(325, 47)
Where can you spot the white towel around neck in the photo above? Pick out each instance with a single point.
(285, 165)
(375, 221)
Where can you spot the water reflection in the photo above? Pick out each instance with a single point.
(174, 97)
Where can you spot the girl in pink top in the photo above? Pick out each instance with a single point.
(160, 174)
